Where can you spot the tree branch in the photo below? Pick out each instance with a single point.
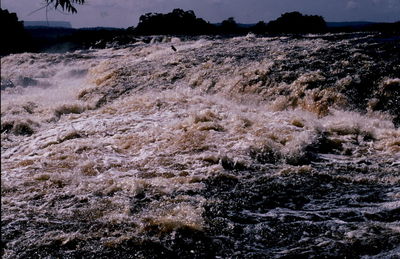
(67, 5)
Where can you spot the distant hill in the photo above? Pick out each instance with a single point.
(360, 24)
(240, 25)
(100, 29)
(364, 26)
(54, 24)
(42, 32)
(357, 24)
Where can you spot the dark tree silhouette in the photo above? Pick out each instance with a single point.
(67, 5)
(176, 22)
(260, 27)
(229, 26)
(296, 22)
(14, 38)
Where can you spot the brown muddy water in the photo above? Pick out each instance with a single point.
(247, 147)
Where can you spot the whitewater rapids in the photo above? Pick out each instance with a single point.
(245, 147)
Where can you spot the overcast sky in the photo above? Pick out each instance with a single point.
(125, 13)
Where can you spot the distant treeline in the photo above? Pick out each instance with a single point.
(186, 22)
(178, 22)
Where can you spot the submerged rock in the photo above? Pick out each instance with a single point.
(6, 83)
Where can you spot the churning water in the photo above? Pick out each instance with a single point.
(243, 147)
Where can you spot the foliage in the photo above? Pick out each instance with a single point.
(296, 22)
(14, 37)
(229, 26)
(175, 22)
(67, 5)
(260, 27)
